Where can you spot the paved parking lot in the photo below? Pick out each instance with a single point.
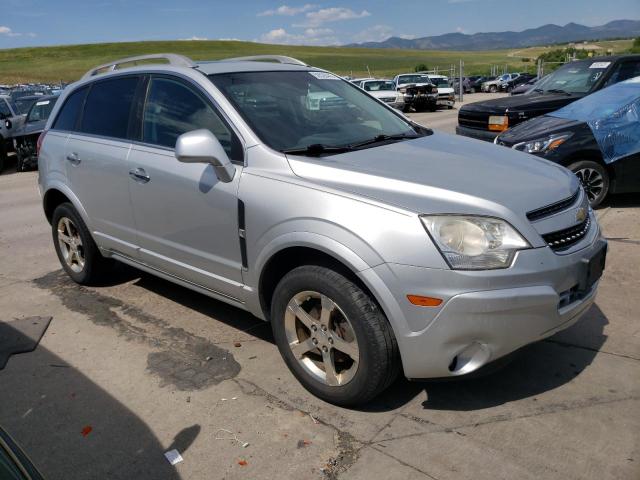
(139, 366)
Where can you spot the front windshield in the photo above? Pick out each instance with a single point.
(22, 105)
(573, 78)
(403, 80)
(296, 109)
(379, 86)
(41, 110)
(440, 82)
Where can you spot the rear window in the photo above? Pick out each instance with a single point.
(68, 116)
(106, 111)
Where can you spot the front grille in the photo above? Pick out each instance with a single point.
(564, 239)
(549, 210)
(477, 120)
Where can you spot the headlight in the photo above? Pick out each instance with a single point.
(498, 123)
(470, 242)
(543, 144)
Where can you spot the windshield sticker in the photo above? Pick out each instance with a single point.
(44, 102)
(324, 76)
(600, 64)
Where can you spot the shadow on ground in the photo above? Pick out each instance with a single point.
(71, 428)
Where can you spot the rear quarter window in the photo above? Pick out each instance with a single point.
(108, 106)
(68, 117)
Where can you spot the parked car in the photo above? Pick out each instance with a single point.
(372, 244)
(509, 85)
(14, 464)
(471, 84)
(384, 90)
(25, 138)
(571, 82)
(597, 138)
(496, 84)
(418, 91)
(525, 87)
(446, 96)
(10, 120)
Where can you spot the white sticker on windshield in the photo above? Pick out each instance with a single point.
(324, 76)
(45, 102)
(600, 64)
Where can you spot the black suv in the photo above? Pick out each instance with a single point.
(575, 80)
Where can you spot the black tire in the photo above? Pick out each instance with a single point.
(594, 178)
(3, 153)
(449, 107)
(95, 265)
(493, 89)
(379, 362)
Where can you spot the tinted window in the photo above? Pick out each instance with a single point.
(106, 111)
(4, 109)
(624, 71)
(174, 108)
(68, 116)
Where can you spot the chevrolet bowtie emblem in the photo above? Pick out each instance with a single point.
(581, 214)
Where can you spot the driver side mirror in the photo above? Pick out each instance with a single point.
(201, 146)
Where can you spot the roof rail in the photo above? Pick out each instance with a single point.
(172, 58)
(271, 58)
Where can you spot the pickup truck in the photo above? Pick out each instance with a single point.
(571, 82)
(418, 91)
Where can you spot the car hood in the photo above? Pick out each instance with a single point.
(444, 173)
(383, 93)
(539, 127)
(534, 102)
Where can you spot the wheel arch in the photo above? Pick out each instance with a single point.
(593, 156)
(58, 194)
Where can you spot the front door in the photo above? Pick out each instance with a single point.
(187, 220)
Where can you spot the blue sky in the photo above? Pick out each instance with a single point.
(40, 22)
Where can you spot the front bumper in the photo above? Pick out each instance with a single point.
(486, 135)
(485, 314)
(445, 102)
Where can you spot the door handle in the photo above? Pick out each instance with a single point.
(139, 175)
(73, 158)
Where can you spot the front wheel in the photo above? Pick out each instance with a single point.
(493, 89)
(333, 337)
(594, 179)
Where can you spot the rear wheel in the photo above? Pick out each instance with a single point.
(77, 252)
(333, 337)
(594, 179)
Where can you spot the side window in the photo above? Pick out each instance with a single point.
(4, 109)
(173, 108)
(106, 111)
(624, 71)
(68, 116)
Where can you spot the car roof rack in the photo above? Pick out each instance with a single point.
(267, 58)
(172, 58)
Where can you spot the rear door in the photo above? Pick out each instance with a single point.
(96, 160)
(187, 219)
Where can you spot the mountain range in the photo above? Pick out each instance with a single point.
(544, 35)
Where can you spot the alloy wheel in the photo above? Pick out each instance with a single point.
(70, 244)
(591, 181)
(322, 338)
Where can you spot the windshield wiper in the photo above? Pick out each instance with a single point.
(382, 138)
(317, 149)
(558, 90)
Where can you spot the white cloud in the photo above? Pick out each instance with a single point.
(4, 30)
(194, 38)
(377, 33)
(310, 36)
(333, 14)
(287, 11)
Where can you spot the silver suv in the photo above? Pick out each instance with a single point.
(370, 243)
